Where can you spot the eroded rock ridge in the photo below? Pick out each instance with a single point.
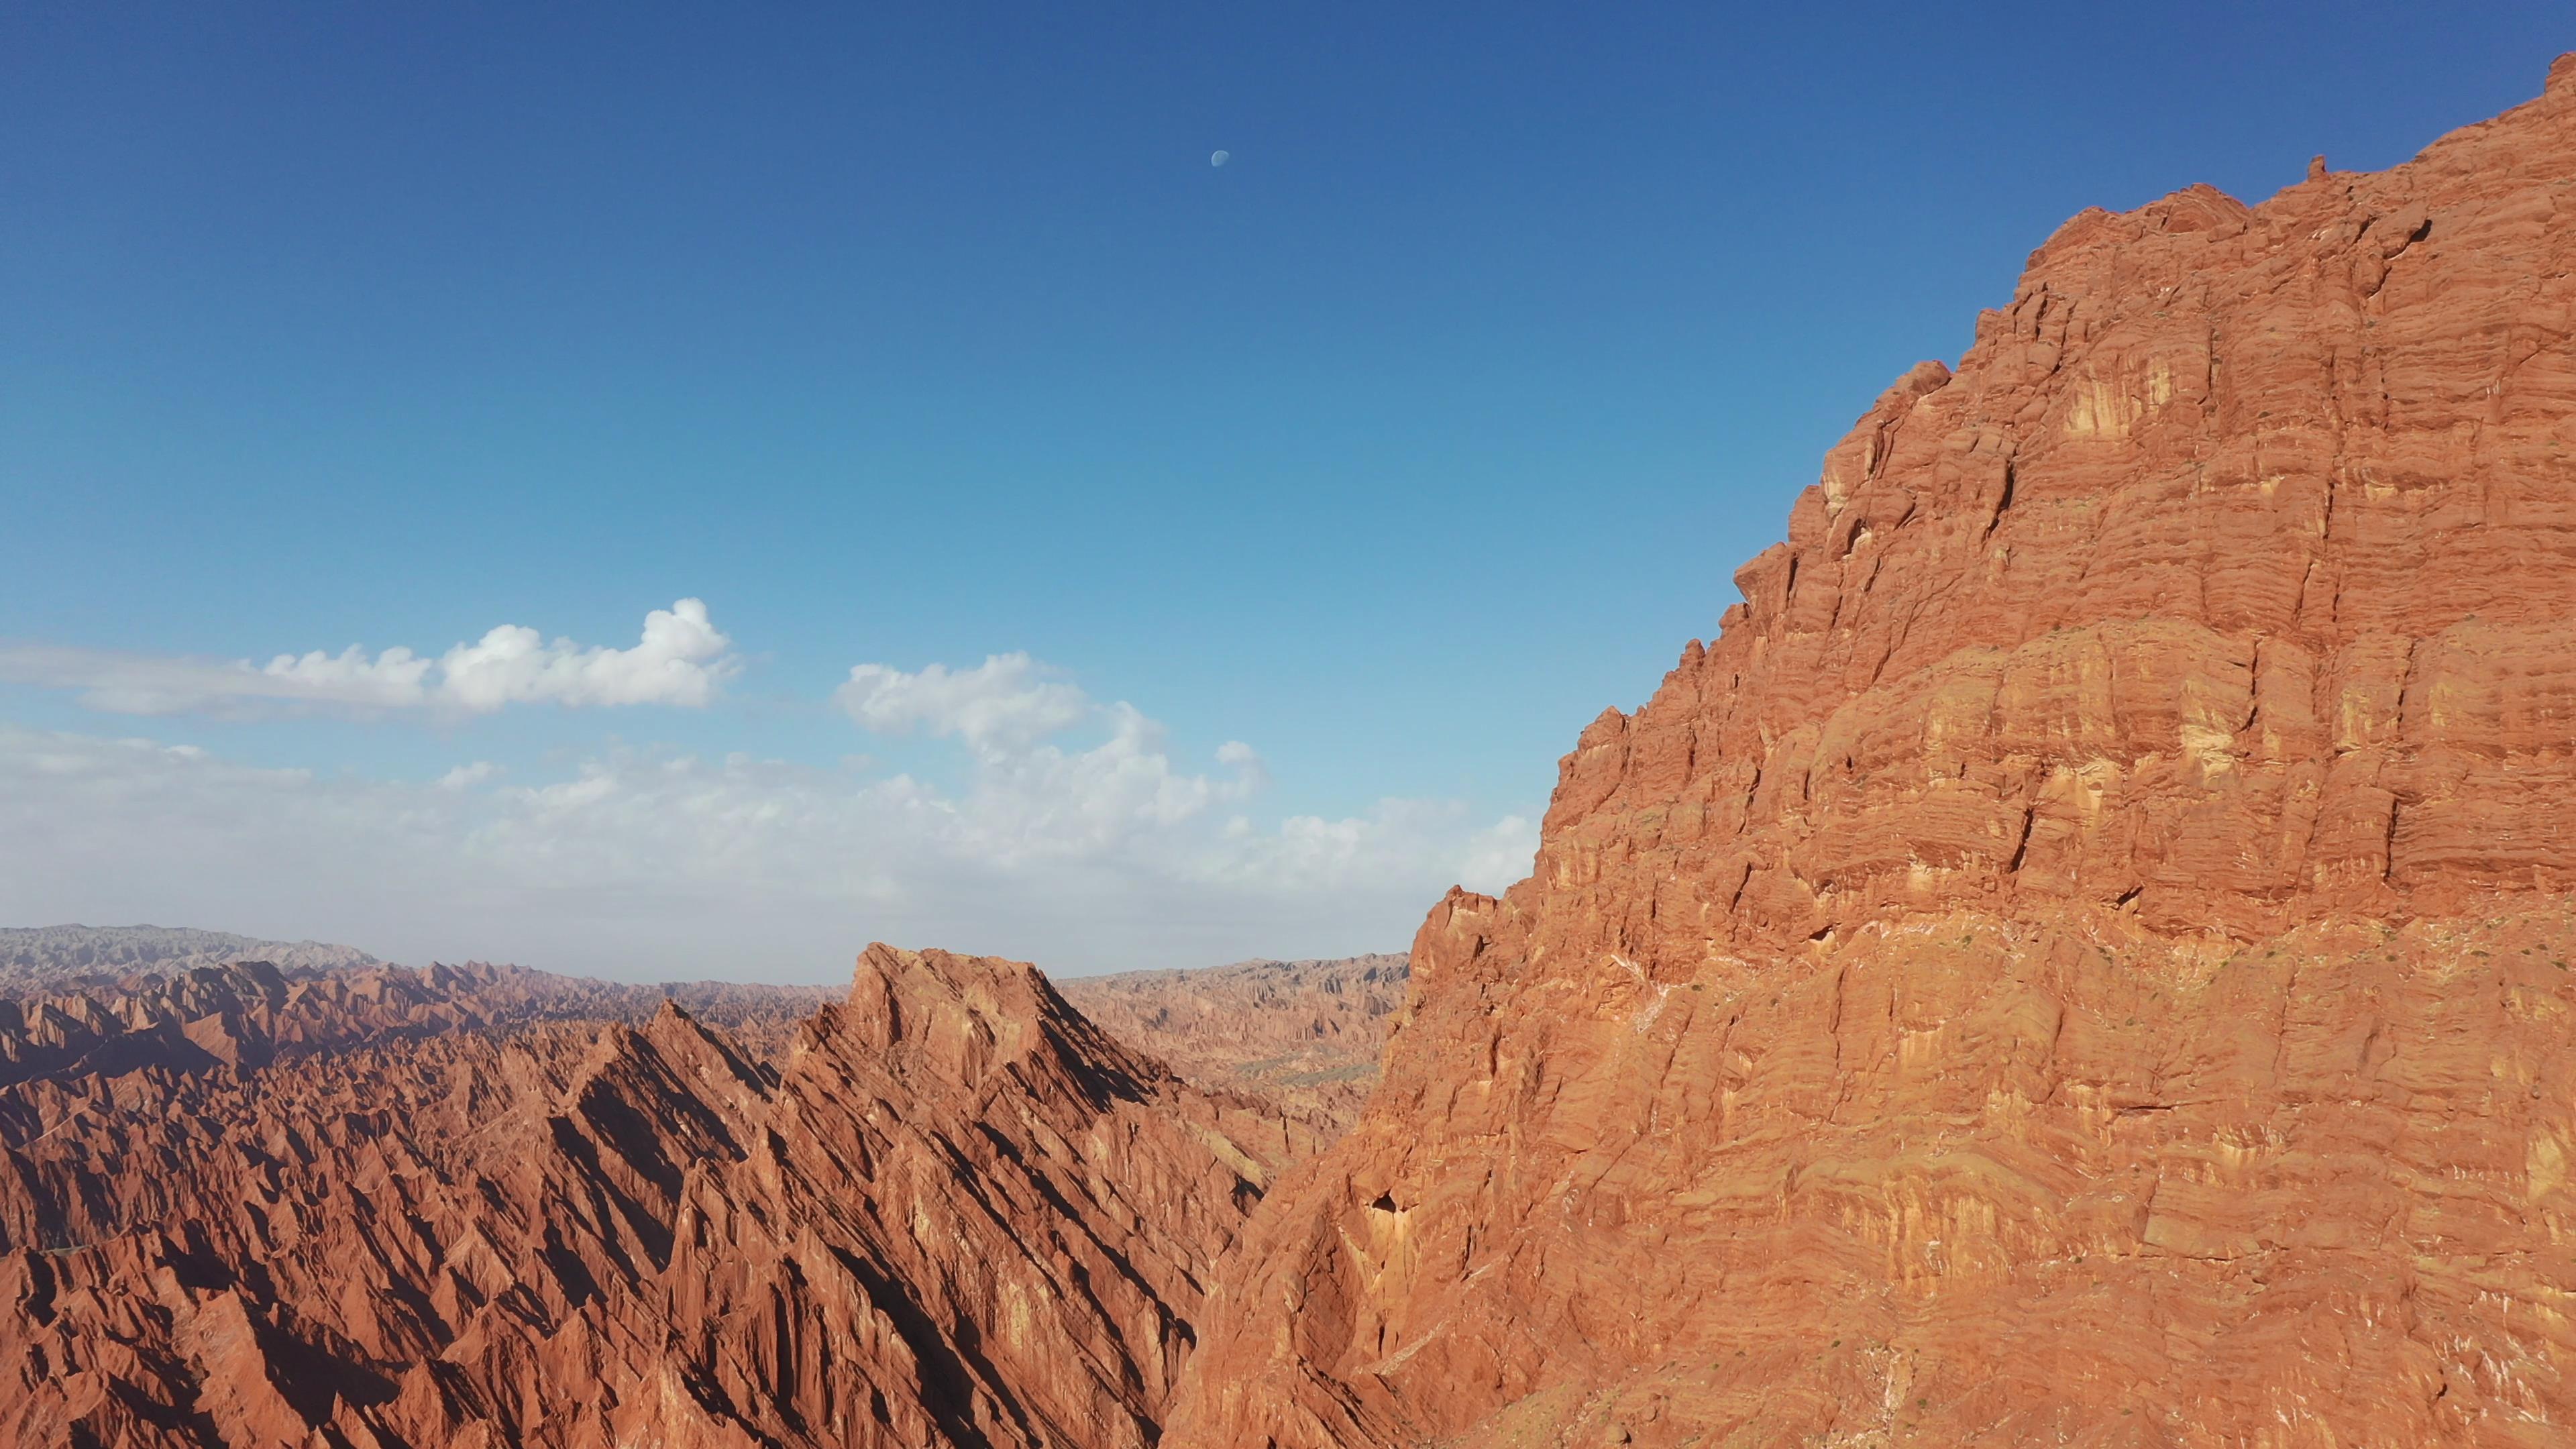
(950, 1212)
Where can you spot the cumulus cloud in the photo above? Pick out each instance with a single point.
(1007, 701)
(393, 678)
(680, 660)
(1033, 798)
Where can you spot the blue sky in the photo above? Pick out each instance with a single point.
(1393, 450)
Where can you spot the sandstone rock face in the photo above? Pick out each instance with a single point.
(1304, 1034)
(2084, 957)
(952, 1212)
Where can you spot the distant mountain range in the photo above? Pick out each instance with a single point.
(52, 957)
(1305, 1034)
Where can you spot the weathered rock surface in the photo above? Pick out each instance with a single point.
(2084, 957)
(1305, 1034)
(952, 1213)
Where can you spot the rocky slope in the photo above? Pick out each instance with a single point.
(1305, 1034)
(2083, 958)
(952, 1212)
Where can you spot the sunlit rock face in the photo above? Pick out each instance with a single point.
(2084, 956)
(397, 1208)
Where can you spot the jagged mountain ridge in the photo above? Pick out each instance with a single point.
(952, 1212)
(2083, 957)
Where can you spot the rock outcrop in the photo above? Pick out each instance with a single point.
(2083, 958)
(953, 1212)
(1304, 1034)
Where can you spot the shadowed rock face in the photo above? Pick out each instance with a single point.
(2084, 956)
(1306, 1034)
(952, 1212)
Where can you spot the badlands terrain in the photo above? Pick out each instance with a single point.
(471, 1206)
(2083, 957)
(1305, 1034)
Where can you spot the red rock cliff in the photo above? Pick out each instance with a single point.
(2084, 957)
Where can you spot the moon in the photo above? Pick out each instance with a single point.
(1219, 158)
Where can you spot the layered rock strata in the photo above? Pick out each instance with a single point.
(2083, 958)
(952, 1212)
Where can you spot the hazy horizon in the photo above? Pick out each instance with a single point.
(792, 978)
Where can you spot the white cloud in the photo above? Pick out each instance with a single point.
(680, 660)
(392, 679)
(1005, 702)
(1095, 854)
(1034, 800)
